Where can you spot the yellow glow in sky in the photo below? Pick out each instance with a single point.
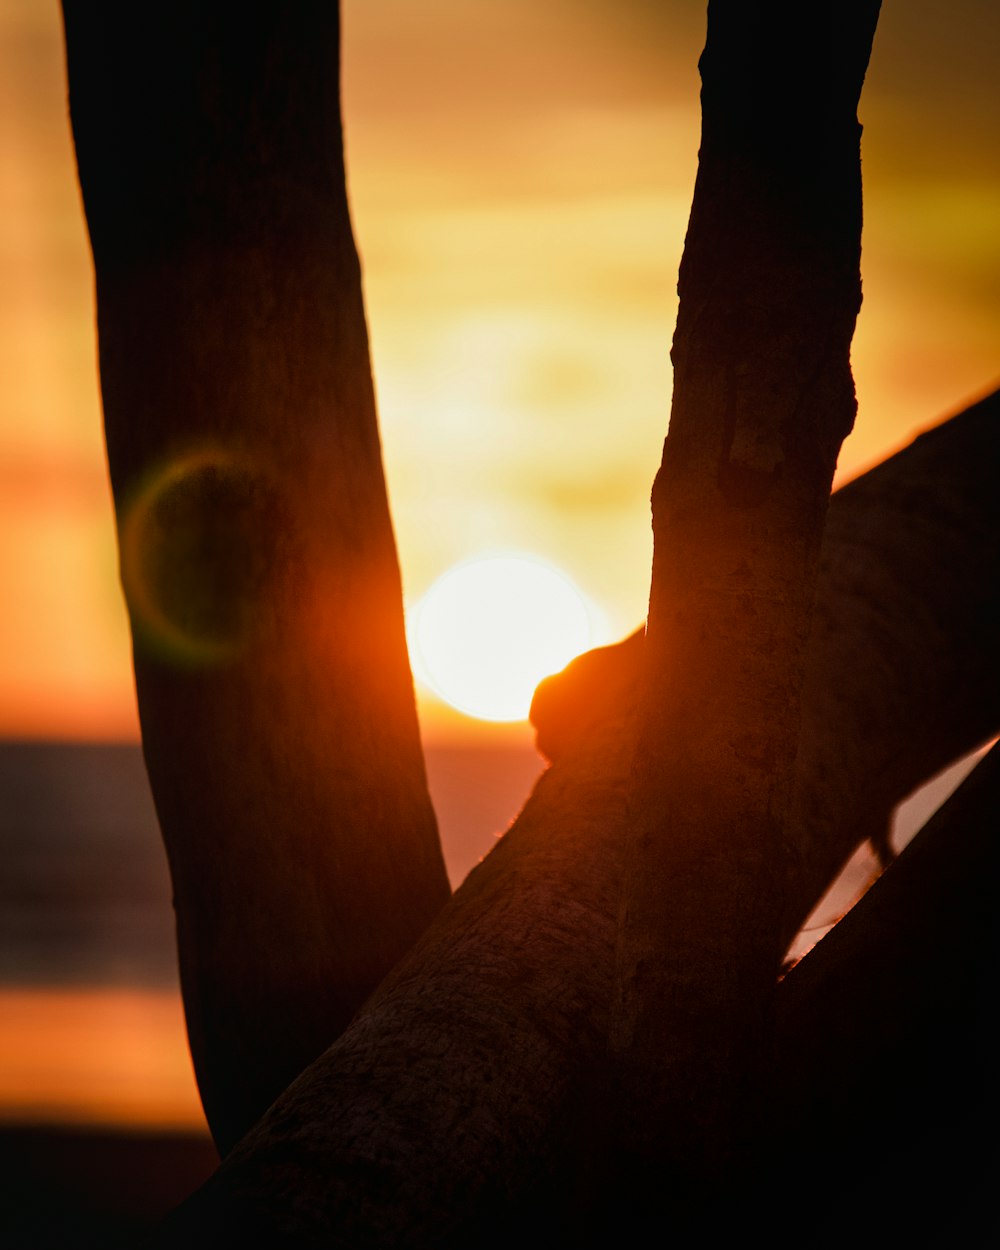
(520, 176)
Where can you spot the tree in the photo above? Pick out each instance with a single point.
(596, 1016)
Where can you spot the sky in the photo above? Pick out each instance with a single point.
(520, 177)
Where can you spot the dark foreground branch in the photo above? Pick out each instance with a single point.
(472, 1083)
(884, 1057)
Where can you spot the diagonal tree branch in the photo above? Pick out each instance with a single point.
(469, 1087)
(914, 547)
(257, 554)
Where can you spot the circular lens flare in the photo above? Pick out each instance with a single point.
(487, 631)
(198, 542)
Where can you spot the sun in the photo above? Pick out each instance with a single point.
(488, 630)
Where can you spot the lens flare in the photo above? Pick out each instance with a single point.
(198, 547)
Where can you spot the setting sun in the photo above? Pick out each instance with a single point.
(487, 631)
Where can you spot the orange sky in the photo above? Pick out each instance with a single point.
(520, 176)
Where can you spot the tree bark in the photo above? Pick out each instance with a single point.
(918, 532)
(257, 555)
(471, 1086)
(769, 291)
(885, 1062)
(914, 546)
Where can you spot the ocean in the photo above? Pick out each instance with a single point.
(84, 887)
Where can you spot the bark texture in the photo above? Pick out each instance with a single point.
(471, 1089)
(915, 546)
(257, 555)
(769, 290)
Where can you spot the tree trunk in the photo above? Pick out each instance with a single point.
(769, 291)
(258, 562)
(469, 1089)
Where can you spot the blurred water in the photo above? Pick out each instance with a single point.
(84, 888)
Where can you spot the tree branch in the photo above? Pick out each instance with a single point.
(470, 1086)
(884, 1057)
(910, 554)
(257, 554)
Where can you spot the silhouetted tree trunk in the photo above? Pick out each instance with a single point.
(472, 1088)
(274, 691)
(770, 287)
